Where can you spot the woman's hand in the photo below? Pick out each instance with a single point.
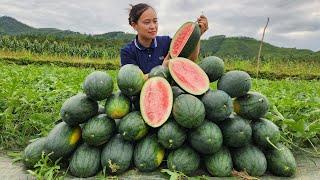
(166, 60)
(146, 76)
(203, 23)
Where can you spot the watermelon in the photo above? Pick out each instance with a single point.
(62, 140)
(78, 109)
(189, 76)
(219, 164)
(148, 154)
(176, 91)
(116, 155)
(130, 79)
(117, 105)
(250, 159)
(98, 85)
(213, 66)
(98, 130)
(207, 138)
(160, 71)
(265, 132)
(188, 111)
(281, 161)
(171, 135)
(132, 127)
(252, 106)
(236, 131)
(235, 83)
(33, 152)
(85, 161)
(156, 101)
(183, 159)
(218, 105)
(185, 40)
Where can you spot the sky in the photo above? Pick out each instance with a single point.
(293, 23)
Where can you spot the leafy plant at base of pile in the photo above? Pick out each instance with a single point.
(177, 175)
(47, 169)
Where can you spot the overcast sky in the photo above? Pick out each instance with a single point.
(293, 23)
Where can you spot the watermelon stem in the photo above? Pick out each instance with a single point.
(273, 145)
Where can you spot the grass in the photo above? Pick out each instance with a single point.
(25, 58)
(278, 69)
(272, 69)
(31, 98)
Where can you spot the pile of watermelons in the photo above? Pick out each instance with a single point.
(170, 120)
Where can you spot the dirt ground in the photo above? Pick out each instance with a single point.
(308, 169)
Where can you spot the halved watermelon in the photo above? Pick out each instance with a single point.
(185, 40)
(156, 101)
(189, 76)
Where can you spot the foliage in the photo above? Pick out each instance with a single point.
(46, 169)
(33, 95)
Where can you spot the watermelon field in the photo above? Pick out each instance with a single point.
(32, 95)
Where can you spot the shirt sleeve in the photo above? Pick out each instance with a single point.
(126, 57)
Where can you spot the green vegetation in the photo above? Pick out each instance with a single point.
(33, 95)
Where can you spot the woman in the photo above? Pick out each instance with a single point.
(148, 50)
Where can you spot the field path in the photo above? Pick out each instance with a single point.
(308, 169)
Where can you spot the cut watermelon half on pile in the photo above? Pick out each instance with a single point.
(156, 101)
(189, 76)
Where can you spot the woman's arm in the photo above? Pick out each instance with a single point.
(203, 24)
(194, 55)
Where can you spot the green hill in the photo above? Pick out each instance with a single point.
(247, 48)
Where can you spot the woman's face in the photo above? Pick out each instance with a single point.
(147, 25)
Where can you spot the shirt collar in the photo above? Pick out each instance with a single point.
(154, 44)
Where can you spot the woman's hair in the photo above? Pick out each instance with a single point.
(136, 11)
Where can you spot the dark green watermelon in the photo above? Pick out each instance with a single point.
(33, 152)
(116, 155)
(148, 154)
(98, 85)
(281, 161)
(250, 159)
(265, 132)
(176, 91)
(188, 111)
(251, 106)
(62, 140)
(78, 109)
(171, 135)
(132, 127)
(218, 105)
(213, 66)
(160, 71)
(98, 130)
(183, 159)
(236, 131)
(207, 138)
(117, 105)
(235, 83)
(85, 161)
(219, 164)
(130, 79)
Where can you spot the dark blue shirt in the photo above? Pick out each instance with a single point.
(145, 58)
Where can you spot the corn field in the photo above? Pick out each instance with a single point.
(55, 48)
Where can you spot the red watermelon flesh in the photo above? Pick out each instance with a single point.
(156, 101)
(189, 76)
(182, 39)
